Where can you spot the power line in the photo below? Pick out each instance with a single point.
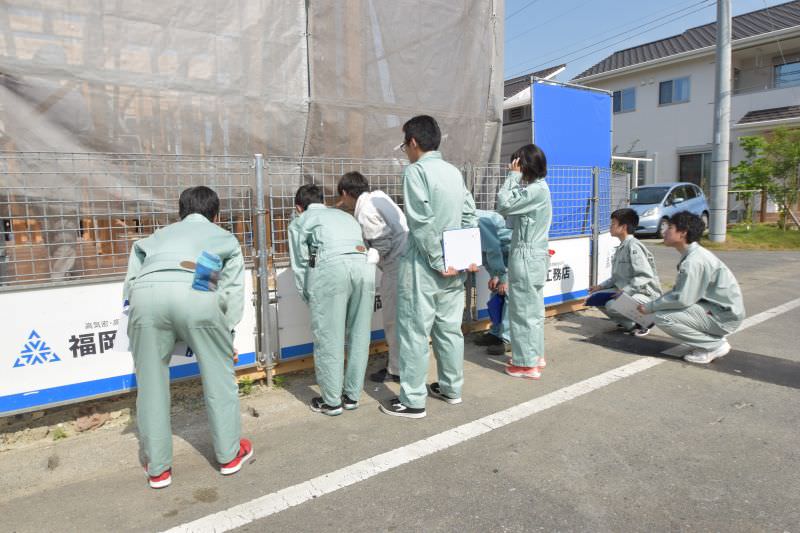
(517, 36)
(683, 12)
(523, 8)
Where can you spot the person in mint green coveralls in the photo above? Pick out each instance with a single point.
(495, 242)
(165, 309)
(705, 305)
(430, 299)
(333, 276)
(525, 199)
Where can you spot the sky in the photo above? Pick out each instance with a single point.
(580, 33)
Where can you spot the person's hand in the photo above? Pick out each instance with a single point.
(473, 267)
(235, 356)
(502, 289)
(515, 166)
(594, 288)
(641, 309)
(493, 283)
(450, 272)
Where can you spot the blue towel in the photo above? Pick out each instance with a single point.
(206, 272)
(600, 298)
(495, 306)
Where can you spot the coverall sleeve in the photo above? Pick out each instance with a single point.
(135, 262)
(512, 199)
(688, 289)
(468, 217)
(231, 287)
(420, 217)
(642, 272)
(298, 257)
(376, 231)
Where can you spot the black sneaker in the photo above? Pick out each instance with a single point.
(349, 404)
(383, 375)
(499, 349)
(640, 332)
(436, 391)
(318, 406)
(396, 408)
(488, 339)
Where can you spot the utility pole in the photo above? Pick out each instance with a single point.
(720, 156)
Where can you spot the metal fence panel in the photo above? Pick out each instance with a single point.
(73, 217)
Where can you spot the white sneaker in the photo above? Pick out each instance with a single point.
(703, 357)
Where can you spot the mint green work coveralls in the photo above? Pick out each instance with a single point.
(164, 309)
(633, 271)
(704, 306)
(340, 291)
(495, 241)
(435, 199)
(530, 211)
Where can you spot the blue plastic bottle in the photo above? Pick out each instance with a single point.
(206, 272)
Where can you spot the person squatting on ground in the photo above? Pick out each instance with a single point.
(705, 304)
(385, 230)
(495, 241)
(430, 299)
(525, 199)
(169, 304)
(333, 276)
(633, 270)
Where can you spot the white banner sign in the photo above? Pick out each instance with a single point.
(607, 247)
(567, 275)
(57, 345)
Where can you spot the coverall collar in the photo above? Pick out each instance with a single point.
(433, 154)
(315, 206)
(195, 217)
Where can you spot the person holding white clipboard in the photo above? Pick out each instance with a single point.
(430, 295)
(525, 199)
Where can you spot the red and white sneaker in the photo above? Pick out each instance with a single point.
(525, 372)
(245, 453)
(160, 481)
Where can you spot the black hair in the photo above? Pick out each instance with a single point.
(690, 223)
(425, 131)
(532, 162)
(199, 199)
(353, 183)
(308, 194)
(626, 217)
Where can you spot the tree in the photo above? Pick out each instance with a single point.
(772, 165)
(753, 173)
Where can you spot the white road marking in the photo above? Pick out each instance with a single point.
(276, 502)
(264, 506)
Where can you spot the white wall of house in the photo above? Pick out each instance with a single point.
(665, 132)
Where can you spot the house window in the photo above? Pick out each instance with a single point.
(625, 100)
(696, 168)
(787, 75)
(673, 91)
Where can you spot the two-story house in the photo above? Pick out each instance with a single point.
(664, 92)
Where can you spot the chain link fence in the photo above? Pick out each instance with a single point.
(74, 217)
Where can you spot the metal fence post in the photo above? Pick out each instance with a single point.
(470, 308)
(265, 358)
(595, 225)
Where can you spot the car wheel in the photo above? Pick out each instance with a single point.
(704, 218)
(662, 227)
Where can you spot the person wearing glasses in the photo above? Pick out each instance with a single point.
(430, 298)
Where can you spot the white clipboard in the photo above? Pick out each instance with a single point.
(628, 307)
(461, 248)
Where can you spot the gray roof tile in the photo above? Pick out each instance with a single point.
(774, 113)
(515, 85)
(747, 25)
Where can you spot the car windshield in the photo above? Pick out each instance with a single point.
(648, 195)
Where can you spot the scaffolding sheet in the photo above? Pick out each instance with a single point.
(284, 78)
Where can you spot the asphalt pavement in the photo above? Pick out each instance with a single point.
(671, 447)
